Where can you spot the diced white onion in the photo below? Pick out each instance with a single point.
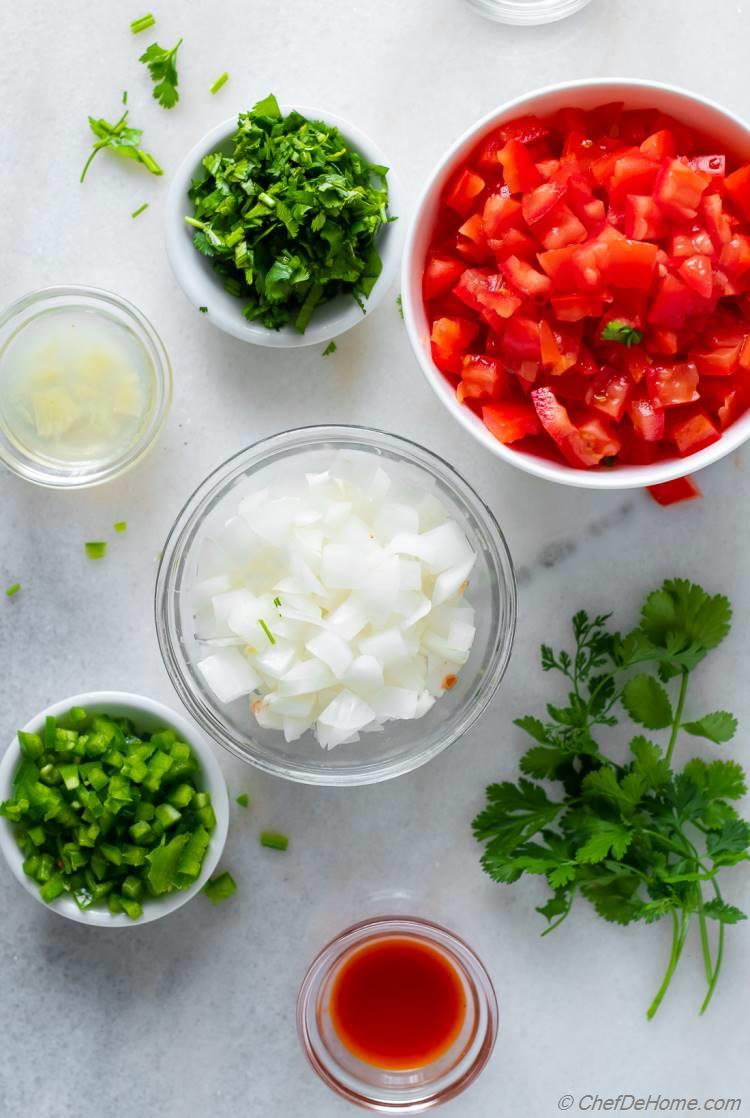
(229, 674)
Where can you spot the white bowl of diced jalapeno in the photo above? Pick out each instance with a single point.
(128, 809)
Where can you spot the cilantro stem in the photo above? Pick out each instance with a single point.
(719, 957)
(558, 922)
(677, 716)
(679, 934)
(708, 964)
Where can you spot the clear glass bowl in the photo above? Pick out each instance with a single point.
(410, 1090)
(527, 12)
(52, 472)
(403, 745)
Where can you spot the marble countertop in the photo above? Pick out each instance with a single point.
(195, 1014)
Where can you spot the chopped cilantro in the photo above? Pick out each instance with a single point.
(142, 24)
(220, 81)
(400, 305)
(329, 349)
(623, 332)
(289, 215)
(162, 66)
(121, 140)
(203, 310)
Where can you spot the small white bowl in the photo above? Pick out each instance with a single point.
(204, 288)
(147, 714)
(700, 113)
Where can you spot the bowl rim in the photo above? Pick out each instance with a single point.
(143, 327)
(225, 313)
(156, 908)
(187, 522)
(626, 477)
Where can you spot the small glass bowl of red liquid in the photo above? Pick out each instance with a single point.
(397, 1014)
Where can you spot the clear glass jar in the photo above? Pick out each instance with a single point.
(53, 472)
(409, 1090)
(527, 12)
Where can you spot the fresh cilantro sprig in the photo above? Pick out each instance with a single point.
(289, 216)
(637, 838)
(122, 140)
(620, 331)
(162, 66)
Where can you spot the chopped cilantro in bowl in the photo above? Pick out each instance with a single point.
(291, 217)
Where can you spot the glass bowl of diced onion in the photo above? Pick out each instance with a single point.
(335, 605)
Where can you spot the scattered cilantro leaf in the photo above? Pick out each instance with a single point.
(203, 310)
(718, 727)
(96, 549)
(329, 349)
(635, 837)
(162, 66)
(289, 215)
(220, 81)
(125, 97)
(620, 331)
(400, 305)
(142, 24)
(122, 141)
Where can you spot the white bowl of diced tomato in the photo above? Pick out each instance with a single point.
(576, 284)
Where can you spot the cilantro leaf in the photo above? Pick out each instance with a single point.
(162, 66)
(609, 838)
(533, 727)
(614, 896)
(122, 141)
(515, 813)
(728, 845)
(682, 616)
(649, 762)
(718, 727)
(617, 330)
(647, 702)
(329, 349)
(725, 913)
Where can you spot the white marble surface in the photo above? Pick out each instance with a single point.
(194, 1015)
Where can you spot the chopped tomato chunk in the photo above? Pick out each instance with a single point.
(671, 492)
(519, 169)
(466, 188)
(693, 431)
(440, 275)
(510, 421)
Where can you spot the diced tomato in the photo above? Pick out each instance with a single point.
(644, 221)
(510, 421)
(672, 492)
(679, 189)
(735, 254)
(525, 279)
(481, 376)
(573, 308)
(737, 186)
(558, 264)
(660, 145)
(609, 393)
(440, 275)
(692, 431)
(500, 212)
(484, 290)
(451, 337)
(662, 341)
(670, 385)
(716, 221)
(519, 170)
(527, 129)
(571, 119)
(697, 273)
(514, 243)
(560, 227)
(604, 118)
(630, 263)
(521, 340)
(539, 202)
(719, 362)
(465, 189)
(631, 174)
(587, 265)
(581, 446)
(672, 304)
(648, 419)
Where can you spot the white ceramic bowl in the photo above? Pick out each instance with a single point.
(147, 714)
(700, 113)
(199, 281)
